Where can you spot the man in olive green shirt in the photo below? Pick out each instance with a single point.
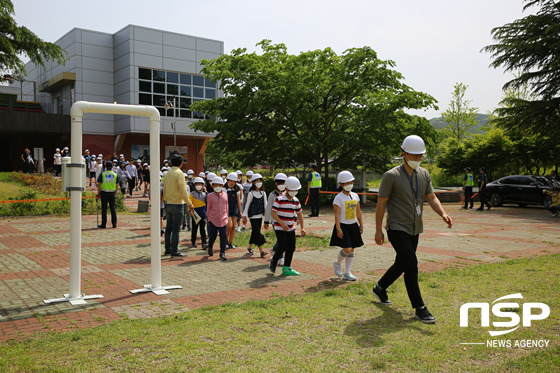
(175, 195)
(403, 191)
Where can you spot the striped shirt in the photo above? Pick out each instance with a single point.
(287, 211)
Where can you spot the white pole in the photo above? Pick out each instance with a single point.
(76, 208)
(155, 202)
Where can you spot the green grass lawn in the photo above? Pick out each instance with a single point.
(331, 330)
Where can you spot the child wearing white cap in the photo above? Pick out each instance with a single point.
(217, 212)
(92, 173)
(57, 162)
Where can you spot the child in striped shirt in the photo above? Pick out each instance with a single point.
(285, 210)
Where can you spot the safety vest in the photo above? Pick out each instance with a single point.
(470, 180)
(315, 180)
(108, 181)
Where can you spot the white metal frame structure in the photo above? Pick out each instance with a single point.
(77, 112)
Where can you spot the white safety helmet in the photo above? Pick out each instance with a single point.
(57, 149)
(344, 177)
(100, 156)
(256, 177)
(65, 148)
(232, 176)
(164, 168)
(164, 172)
(217, 180)
(281, 177)
(211, 176)
(201, 174)
(145, 164)
(184, 173)
(93, 157)
(292, 183)
(413, 145)
(250, 173)
(138, 161)
(223, 172)
(239, 172)
(190, 172)
(199, 180)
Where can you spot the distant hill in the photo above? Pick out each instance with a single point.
(439, 123)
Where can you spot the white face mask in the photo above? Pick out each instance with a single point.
(348, 187)
(281, 187)
(189, 176)
(218, 189)
(198, 187)
(292, 193)
(258, 185)
(224, 177)
(413, 164)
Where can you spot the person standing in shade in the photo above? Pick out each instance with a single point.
(468, 183)
(482, 181)
(65, 152)
(313, 188)
(347, 234)
(28, 162)
(403, 191)
(107, 188)
(57, 162)
(175, 195)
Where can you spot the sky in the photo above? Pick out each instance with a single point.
(434, 43)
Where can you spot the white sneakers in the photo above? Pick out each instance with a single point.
(337, 269)
(348, 276)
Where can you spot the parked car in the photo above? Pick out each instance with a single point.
(520, 189)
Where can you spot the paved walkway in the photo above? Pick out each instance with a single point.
(34, 264)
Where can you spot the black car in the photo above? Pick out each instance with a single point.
(520, 189)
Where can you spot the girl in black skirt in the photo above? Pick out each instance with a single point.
(254, 209)
(347, 234)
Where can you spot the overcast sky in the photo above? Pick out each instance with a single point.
(434, 43)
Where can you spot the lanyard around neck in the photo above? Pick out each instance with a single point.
(410, 181)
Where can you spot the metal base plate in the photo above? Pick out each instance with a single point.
(159, 291)
(73, 301)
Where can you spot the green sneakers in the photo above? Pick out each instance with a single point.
(288, 271)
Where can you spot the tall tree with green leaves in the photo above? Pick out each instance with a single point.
(460, 116)
(531, 45)
(19, 40)
(316, 107)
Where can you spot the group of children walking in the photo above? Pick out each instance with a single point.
(221, 201)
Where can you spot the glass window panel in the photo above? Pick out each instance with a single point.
(161, 111)
(198, 92)
(197, 114)
(159, 88)
(145, 73)
(209, 83)
(170, 113)
(184, 103)
(144, 99)
(210, 93)
(145, 86)
(185, 91)
(198, 80)
(159, 100)
(186, 79)
(172, 77)
(159, 75)
(185, 114)
(172, 89)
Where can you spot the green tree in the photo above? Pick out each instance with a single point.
(460, 116)
(531, 45)
(16, 41)
(334, 110)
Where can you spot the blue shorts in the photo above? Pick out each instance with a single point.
(233, 213)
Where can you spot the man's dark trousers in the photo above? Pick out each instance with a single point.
(174, 214)
(108, 198)
(314, 200)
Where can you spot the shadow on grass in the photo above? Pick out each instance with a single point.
(373, 332)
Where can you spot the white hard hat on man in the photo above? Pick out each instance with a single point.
(414, 145)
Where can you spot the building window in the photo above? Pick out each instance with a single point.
(155, 87)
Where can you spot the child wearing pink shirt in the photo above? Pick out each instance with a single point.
(217, 213)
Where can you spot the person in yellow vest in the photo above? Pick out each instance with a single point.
(107, 188)
(468, 184)
(313, 188)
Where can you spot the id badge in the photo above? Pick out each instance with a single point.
(418, 211)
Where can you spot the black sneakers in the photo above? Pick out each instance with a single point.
(381, 295)
(271, 265)
(425, 316)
